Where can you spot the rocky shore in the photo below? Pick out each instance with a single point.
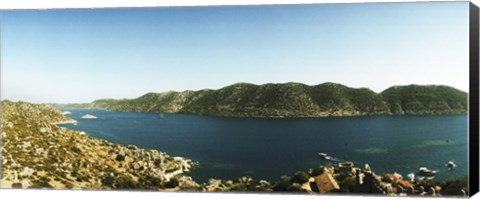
(36, 153)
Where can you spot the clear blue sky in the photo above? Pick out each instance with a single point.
(81, 55)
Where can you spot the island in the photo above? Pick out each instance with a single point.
(294, 100)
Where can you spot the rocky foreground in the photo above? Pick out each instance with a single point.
(36, 153)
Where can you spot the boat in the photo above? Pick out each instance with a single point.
(88, 116)
(451, 165)
(411, 176)
(327, 157)
(425, 178)
(398, 175)
(323, 155)
(424, 171)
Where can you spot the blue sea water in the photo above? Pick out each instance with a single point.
(266, 148)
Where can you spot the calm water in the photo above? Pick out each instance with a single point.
(268, 148)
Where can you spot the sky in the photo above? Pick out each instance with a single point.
(80, 55)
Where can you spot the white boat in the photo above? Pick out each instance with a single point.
(323, 155)
(327, 157)
(451, 165)
(399, 176)
(411, 176)
(424, 171)
(88, 116)
(425, 178)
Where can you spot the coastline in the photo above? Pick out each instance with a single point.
(323, 115)
(71, 121)
(66, 159)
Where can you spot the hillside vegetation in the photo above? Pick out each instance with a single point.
(37, 153)
(295, 100)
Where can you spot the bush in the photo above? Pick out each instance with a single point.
(150, 181)
(107, 181)
(125, 182)
(120, 157)
(157, 162)
(42, 182)
(83, 178)
(17, 185)
(74, 172)
(283, 184)
(347, 184)
(172, 183)
(68, 185)
(454, 187)
(245, 183)
(426, 184)
(317, 171)
(300, 177)
(76, 149)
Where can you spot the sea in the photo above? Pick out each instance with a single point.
(267, 148)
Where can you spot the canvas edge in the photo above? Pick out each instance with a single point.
(473, 173)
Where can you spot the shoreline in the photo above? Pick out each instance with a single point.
(54, 157)
(72, 121)
(187, 163)
(277, 117)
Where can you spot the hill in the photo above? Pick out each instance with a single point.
(37, 153)
(295, 100)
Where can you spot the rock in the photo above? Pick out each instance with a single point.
(137, 165)
(215, 185)
(27, 172)
(10, 125)
(400, 189)
(263, 184)
(26, 145)
(15, 176)
(411, 190)
(431, 191)
(43, 130)
(25, 183)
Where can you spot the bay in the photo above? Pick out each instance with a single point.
(266, 148)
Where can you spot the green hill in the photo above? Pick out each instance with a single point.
(415, 99)
(296, 100)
